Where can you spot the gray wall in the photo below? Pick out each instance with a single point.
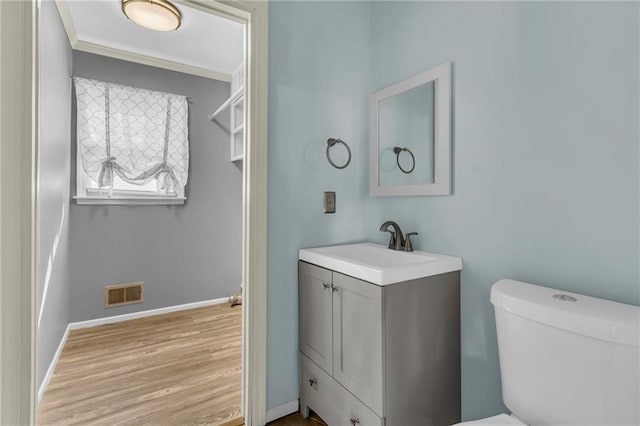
(52, 294)
(182, 253)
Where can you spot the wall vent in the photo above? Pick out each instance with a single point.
(123, 294)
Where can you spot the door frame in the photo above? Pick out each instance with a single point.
(19, 21)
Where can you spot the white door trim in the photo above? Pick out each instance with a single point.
(18, 132)
(254, 216)
(18, 136)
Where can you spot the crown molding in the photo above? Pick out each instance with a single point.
(99, 49)
(221, 10)
(67, 22)
(103, 50)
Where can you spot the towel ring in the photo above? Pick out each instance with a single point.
(397, 151)
(331, 142)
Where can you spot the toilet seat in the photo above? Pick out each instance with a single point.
(499, 420)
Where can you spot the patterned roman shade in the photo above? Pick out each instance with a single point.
(137, 134)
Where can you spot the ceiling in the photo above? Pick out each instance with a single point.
(208, 45)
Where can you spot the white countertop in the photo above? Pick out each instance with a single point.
(378, 264)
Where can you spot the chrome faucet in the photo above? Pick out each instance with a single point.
(397, 241)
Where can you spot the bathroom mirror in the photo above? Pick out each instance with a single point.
(411, 136)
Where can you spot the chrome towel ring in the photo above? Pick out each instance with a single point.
(397, 150)
(331, 142)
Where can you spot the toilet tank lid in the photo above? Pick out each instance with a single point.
(589, 316)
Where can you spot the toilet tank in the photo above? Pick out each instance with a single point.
(565, 358)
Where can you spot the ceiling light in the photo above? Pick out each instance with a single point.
(158, 15)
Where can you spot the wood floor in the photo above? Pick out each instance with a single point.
(296, 419)
(180, 368)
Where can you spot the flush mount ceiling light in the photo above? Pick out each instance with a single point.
(158, 15)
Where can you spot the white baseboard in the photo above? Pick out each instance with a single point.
(282, 410)
(142, 314)
(52, 366)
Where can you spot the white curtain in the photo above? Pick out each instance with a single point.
(137, 134)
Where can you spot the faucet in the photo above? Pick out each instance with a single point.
(397, 241)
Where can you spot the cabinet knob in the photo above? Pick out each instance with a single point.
(354, 421)
(312, 382)
(325, 285)
(334, 288)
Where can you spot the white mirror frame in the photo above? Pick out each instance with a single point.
(441, 77)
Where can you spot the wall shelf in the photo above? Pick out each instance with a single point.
(236, 105)
(226, 104)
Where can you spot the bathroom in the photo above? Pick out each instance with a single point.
(545, 158)
(545, 151)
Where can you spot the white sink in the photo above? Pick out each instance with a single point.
(378, 264)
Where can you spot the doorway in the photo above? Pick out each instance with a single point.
(253, 216)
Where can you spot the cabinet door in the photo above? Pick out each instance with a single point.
(314, 293)
(357, 339)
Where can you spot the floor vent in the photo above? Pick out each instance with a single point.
(123, 294)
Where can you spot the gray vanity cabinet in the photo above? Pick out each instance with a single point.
(341, 330)
(379, 355)
(357, 338)
(315, 300)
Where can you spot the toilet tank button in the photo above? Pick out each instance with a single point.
(565, 297)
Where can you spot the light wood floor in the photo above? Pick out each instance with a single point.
(174, 369)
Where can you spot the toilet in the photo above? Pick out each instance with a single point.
(565, 358)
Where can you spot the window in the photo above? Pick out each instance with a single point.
(132, 145)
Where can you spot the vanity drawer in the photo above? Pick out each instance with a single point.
(333, 403)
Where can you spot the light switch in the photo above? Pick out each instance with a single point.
(329, 202)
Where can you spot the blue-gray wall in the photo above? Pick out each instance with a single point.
(183, 253)
(546, 158)
(318, 88)
(52, 291)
